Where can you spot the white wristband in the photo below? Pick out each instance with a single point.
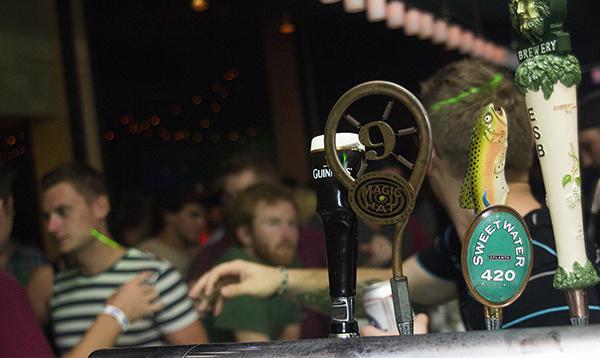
(118, 315)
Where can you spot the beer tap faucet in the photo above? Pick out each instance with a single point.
(339, 223)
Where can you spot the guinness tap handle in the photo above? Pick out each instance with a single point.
(339, 223)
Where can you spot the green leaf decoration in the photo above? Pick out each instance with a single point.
(578, 181)
(544, 71)
(566, 180)
(582, 276)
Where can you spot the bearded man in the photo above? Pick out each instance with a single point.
(263, 219)
(529, 17)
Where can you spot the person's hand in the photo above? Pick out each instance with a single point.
(136, 297)
(420, 326)
(378, 250)
(232, 279)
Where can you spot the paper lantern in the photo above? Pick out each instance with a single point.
(353, 6)
(466, 42)
(376, 10)
(426, 26)
(478, 47)
(440, 31)
(395, 14)
(413, 22)
(454, 37)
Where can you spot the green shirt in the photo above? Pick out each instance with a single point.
(268, 316)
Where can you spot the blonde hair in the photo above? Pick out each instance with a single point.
(454, 96)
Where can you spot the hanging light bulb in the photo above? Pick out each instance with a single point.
(200, 5)
(440, 31)
(395, 14)
(353, 6)
(454, 36)
(466, 42)
(426, 26)
(413, 22)
(287, 25)
(376, 10)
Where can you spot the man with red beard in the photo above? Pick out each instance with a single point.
(264, 221)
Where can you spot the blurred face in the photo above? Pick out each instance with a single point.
(234, 183)
(6, 220)
(189, 222)
(275, 232)
(70, 218)
(589, 145)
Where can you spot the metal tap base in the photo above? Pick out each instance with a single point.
(342, 323)
(493, 318)
(402, 307)
(578, 306)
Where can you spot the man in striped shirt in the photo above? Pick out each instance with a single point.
(114, 296)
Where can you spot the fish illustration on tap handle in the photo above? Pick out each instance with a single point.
(484, 183)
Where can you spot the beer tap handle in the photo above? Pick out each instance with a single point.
(402, 307)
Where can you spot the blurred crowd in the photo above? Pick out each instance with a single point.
(126, 262)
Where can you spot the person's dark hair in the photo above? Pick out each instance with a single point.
(170, 202)
(240, 212)
(454, 96)
(132, 210)
(88, 181)
(589, 111)
(258, 162)
(7, 180)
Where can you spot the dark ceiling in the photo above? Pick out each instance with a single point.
(149, 56)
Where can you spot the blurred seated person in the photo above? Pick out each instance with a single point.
(113, 297)
(16, 259)
(20, 335)
(589, 147)
(179, 221)
(237, 173)
(130, 221)
(264, 221)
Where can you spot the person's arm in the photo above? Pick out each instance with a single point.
(39, 290)
(135, 299)
(420, 327)
(290, 332)
(309, 287)
(250, 336)
(103, 333)
(179, 322)
(426, 288)
(192, 334)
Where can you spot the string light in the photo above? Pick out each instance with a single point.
(145, 128)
